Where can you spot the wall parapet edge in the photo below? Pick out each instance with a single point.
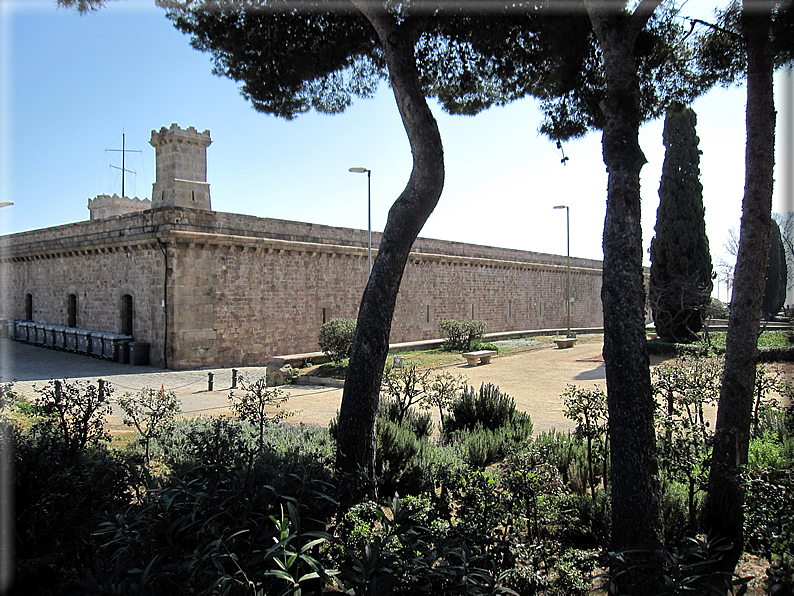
(194, 238)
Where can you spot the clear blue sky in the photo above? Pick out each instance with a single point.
(70, 84)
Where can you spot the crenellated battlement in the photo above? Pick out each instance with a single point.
(175, 134)
(104, 206)
(181, 158)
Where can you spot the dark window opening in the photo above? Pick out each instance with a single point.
(71, 311)
(427, 316)
(324, 317)
(28, 307)
(126, 315)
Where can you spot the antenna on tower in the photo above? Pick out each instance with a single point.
(124, 152)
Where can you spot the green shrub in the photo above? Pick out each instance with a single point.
(477, 345)
(419, 423)
(61, 496)
(716, 310)
(78, 409)
(690, 569)
(486, 424)
(566, 453)
(459, 335)
(675, 511)
(769, 452)
(397, 445)
(658, 347)
(231, 449)
(404, 557)
(484, 512)
(255, 404)
(151, 412)
(336, 338)
(586, 522)
(201, 534)
(488, 407)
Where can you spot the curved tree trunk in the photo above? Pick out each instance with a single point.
(724, 517)
(635, 489)
(356, 436)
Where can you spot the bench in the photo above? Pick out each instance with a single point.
(484, 357)
(565, 342)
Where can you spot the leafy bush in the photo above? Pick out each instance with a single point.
(586, 522)
(716, 310)
(405, 387)
(690, 569)
(336, 338)
(676, 511)
(486, 345)
(256, 403)
(151, 412)
(588, 408)
(78, 409)
(658, 347)
(420, 424)
(200, 534)
(488, 407)
(484, 513)
(460, 334)
(397, 445)
(405, 557)
(61, 496)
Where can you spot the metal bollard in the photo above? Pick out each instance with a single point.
(234, 378)
(210, 381)
(101, 385)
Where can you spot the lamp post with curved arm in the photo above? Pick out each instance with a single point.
(360, 170)
(568, 242)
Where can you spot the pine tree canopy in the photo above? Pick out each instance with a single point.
(293, 56)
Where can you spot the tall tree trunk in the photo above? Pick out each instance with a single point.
(635, 488)
(724, 516)
(356, 436)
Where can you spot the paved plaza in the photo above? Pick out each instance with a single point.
(535, 379)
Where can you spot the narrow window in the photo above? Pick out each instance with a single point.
(126, 314)
(71, 311)
(324, 315)
(193, 194)
(472, 312)
(28, 307)
(428, 314)
(509, 309)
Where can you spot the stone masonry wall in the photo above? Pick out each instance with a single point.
(242, 289)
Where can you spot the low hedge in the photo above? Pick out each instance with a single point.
(658, 347)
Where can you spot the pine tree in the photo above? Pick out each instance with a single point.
(681, 271)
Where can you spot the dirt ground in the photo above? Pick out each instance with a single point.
(535, 379)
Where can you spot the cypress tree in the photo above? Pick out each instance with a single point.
(776, 275)
(681, 272)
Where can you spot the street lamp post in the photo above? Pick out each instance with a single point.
(360, 170)
(568, 242)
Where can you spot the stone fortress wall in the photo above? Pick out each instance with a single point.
(223, 289)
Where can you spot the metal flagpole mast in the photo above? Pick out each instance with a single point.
(124, 152)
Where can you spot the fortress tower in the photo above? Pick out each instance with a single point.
(181, 158)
